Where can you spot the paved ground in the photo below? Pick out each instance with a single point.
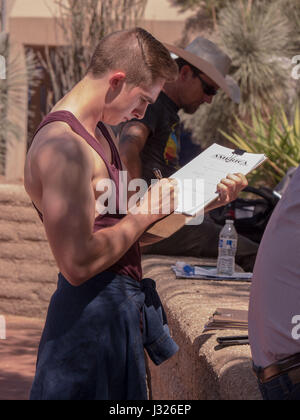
(18, 357)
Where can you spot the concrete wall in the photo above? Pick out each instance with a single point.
(32, 22)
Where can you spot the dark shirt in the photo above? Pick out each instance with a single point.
(162, 147)
(189, 150)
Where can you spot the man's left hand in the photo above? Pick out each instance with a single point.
(228, 189)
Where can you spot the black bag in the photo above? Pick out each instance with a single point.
(250, 216)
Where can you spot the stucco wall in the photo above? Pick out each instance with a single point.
(33, 22)
(27, 268)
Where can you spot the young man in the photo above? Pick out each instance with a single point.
(154, 141)
(92, 346)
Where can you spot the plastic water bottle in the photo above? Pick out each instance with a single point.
(227, 249)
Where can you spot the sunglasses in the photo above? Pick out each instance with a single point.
(207, 88)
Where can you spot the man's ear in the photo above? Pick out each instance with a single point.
(117, 79)
(185, 72)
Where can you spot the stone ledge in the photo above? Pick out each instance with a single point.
(199, 371)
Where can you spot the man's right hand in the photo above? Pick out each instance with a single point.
(159, 201)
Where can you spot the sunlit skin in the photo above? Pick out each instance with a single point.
(128, 101)
(117, 102)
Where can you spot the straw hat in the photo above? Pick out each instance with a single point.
(207, 57)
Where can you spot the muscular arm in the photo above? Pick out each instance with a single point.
(132, 141)
(68, 206)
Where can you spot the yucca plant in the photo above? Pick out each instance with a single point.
(206, 10)
(274, 136)
(291, 9)
(255, 35)
(255, 39)
(205, 17)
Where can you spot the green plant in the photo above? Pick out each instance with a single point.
(274, 136)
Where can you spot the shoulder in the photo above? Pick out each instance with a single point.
(58, 144)
(134, 131)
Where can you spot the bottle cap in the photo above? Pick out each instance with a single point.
(229, 221)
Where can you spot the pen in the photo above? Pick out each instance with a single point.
(157, 173)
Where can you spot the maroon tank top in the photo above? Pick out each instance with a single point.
(130, 263)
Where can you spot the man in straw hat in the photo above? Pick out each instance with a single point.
(154, 141)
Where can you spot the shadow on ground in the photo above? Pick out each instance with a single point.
(18, 357)
(14, 387)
